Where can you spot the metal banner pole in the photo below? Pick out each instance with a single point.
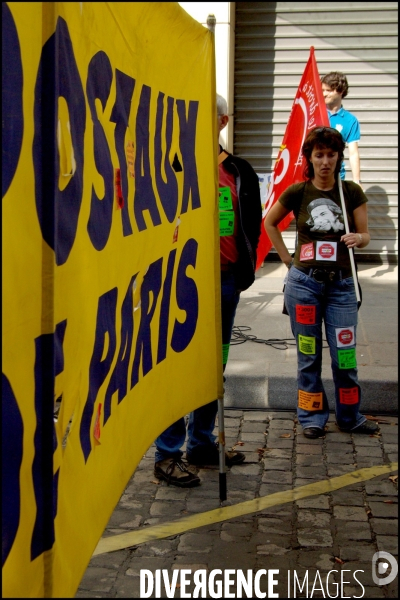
(351, 253)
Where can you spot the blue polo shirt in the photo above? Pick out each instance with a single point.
(348, 125)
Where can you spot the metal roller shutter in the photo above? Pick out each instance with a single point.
(272, 43)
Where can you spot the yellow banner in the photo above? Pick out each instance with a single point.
(111, 309)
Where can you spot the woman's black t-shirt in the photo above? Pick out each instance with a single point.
(320, 223)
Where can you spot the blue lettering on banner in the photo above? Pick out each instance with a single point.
(58, 75)
(168, 191)
(49, 362)
(105, 337)
(98, 87)
(187, 144)
(98, 370)
(144, 194)
(119, 377)
(120, 116)
(11, 98)
(12, 431)
(187, 299)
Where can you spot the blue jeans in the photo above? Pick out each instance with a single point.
(309, 303)
(202, 420)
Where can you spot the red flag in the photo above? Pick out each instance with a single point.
(308, 111)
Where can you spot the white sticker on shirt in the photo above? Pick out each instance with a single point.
(339, 127)
(345, 337)
(326, 251)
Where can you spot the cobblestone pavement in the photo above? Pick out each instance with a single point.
(338, 531)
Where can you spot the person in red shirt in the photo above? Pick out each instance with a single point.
(240, 226)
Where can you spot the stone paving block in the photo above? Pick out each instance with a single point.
(273, 525)
(347, 498)
(393, 458)
(388, 544)
(253, 427)
(280, 435)
(365, 461)
(238, 482)
(256, 438)
(322, 559)
(277, 464)
(247, 470)
(195, 542)
(266, 489)
(271, 550)
(358, 552)
(171, 492)
(390, 438)
(279, 443)
(380, 488)
(167, 507)
(350, 513)
(282, 415)
(382, 509)
(314, 502)
(110, 560)
(284, 477)
(340, 459)
(384, 526)
(254, 415)
(339, 448)
(98, 579)
(309, 460)
(284, 453)
(337, 470)
(391, 448)
(316, 472)
(300, 439)
(352, 530)
(281, 424)
(368, 451)
(309, 536)
(309, 449)
(367, 440)
(160, 548)
(199, 505)
(339, 436)
(313, 518)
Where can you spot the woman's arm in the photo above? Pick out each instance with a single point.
(275, 215)
(361, 238)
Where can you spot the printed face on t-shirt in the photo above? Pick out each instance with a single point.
(324, 219)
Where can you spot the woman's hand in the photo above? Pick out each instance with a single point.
(353, 240)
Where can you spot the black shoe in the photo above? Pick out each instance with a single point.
(210, 456)
(175, 472)
(313, 432)
(368, 428)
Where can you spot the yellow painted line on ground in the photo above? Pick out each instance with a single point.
(157, 532)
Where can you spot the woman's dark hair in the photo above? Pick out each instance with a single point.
(321, 138)
(337, 81)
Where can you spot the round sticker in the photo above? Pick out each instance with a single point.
(326, 250)
(345, 336)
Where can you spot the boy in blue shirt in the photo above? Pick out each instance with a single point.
(335, 88)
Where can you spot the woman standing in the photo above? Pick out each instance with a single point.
(320, 286)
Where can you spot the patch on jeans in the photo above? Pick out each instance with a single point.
(345, 337)
(225, 352)
(309, 400)
(347, 359)
(348, 395)
(305, 314)
(307, 344)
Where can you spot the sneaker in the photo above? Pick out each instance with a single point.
(368, 428)
(175, 472)
(210, 456)
(313, 432)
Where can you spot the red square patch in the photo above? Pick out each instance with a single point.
(305, 314)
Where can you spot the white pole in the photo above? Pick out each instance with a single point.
(211, 22)
(351, 253)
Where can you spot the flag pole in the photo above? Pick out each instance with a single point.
(211, 21)
(351, 253)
